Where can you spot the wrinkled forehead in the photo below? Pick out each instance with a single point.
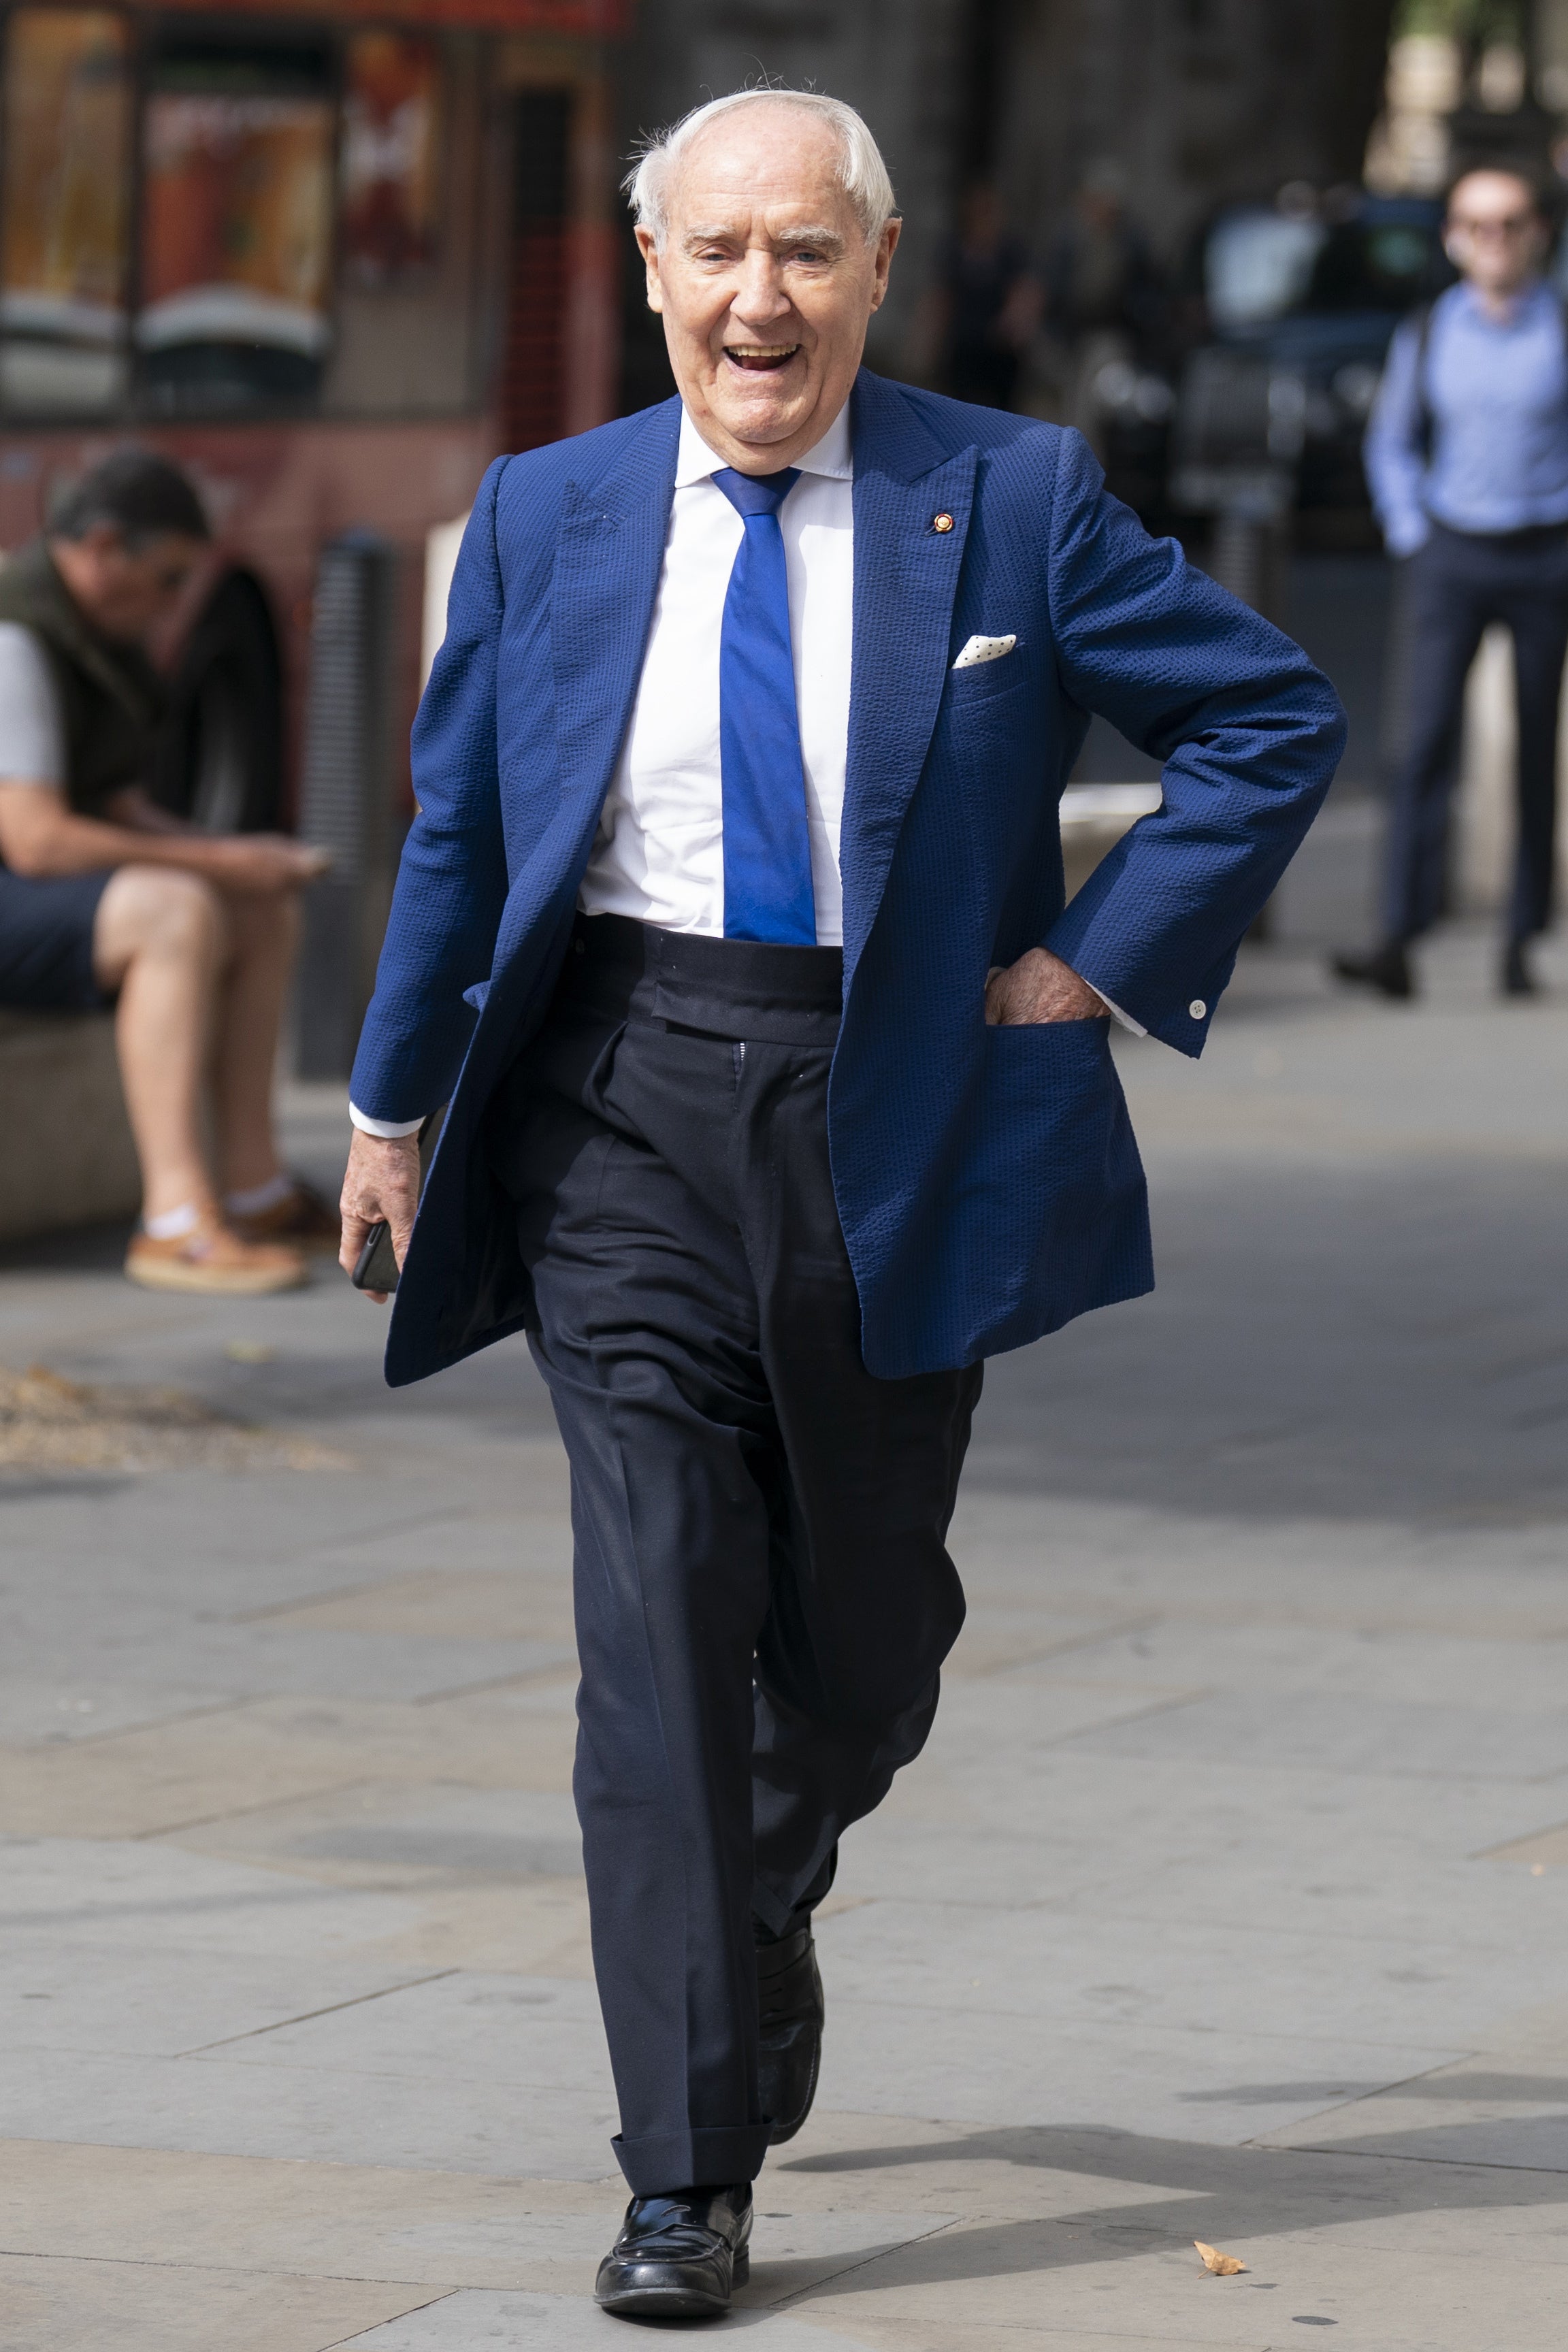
(760, 163)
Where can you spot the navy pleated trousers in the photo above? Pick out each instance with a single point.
(762, 1591)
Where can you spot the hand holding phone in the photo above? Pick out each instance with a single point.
(375, 1270)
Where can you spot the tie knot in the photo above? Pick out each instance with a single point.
(756, 494)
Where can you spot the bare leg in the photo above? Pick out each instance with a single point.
(160, 939)
(262, 936)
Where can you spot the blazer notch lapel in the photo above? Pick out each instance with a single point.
(609, 550)
(906, 583)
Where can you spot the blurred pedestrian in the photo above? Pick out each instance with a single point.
(1468, 458)
(106, 898)
(1103, 294)
(981, 315)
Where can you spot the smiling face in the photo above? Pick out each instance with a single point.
(765, 283)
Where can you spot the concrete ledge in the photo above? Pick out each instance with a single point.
(67, 1157)
(1093, 819)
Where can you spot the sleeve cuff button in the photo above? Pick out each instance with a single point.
(1197, 1008)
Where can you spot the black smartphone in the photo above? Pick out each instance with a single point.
(375, 1268)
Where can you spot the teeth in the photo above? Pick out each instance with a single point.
(760, 350)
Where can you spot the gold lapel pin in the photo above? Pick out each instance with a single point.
(941, 522)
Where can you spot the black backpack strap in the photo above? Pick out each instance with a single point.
(1426, 423)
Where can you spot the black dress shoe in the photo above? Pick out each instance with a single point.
(678, 2256)
(1517, 980)
(1386, 969)
(790, 2014)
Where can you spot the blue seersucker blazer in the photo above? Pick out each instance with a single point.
(988, 1180)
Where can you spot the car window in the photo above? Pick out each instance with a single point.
(1376, 266)
(1258, 266)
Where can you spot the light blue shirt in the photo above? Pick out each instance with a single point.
(1496, 393)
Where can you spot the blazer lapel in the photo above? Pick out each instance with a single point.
(608, 552)
(906, 579)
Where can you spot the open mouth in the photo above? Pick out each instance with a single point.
(760, 359)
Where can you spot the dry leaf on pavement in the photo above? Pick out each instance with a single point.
(1222, 2266)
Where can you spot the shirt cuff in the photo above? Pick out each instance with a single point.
(389, 1129)
(1116, 1012)
(1407, 535)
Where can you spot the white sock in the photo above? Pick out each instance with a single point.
(259, 1196)
(173, 1224)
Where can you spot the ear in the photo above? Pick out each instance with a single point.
(887, 246)
(649, 252)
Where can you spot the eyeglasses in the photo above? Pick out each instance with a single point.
(1510, 224)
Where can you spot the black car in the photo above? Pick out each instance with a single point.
(1295, 304)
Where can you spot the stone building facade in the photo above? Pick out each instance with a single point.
(1197, 99)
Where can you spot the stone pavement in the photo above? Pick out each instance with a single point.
(1229, 1902)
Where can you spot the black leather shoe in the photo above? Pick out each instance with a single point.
(1386, 969)
(1517, 980)
(679, 2256)
(790, 2014)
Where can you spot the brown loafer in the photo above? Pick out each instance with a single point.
(303, 1219)
(214, 1261)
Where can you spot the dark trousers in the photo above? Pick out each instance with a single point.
(762, 1590)
(1457, 586)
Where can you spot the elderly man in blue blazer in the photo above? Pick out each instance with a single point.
(731, 926)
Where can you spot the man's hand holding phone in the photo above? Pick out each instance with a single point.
(380, 1187)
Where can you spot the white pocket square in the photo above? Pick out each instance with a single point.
(984, 649)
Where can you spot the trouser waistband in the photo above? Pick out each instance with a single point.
(740, 989)
(1531, 538)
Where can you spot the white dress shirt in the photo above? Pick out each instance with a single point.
(660, 854)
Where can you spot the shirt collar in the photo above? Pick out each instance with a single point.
(1529, 298)
(695, 461)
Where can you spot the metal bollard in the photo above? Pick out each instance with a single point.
(346, 798)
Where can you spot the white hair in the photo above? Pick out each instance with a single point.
(862, 174)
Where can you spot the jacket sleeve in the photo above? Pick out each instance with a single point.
(1394, 461)
(452, 881)
(1249, 732)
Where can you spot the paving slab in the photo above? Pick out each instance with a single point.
(143, 2307)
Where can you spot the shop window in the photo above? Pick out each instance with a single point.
(63, 211)
(236, 227)
(390, 158)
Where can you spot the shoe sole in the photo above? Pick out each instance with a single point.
(673, 2301)
(210, 1286)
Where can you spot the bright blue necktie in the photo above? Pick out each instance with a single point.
(767, 839)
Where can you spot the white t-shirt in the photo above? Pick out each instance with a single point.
(32, 739)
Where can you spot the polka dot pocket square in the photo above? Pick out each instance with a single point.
(984, 649)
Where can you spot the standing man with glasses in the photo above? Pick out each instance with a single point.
(1468, 458)
(790, 1097)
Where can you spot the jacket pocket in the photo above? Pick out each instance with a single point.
(1053, 1186)
(986, 682)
